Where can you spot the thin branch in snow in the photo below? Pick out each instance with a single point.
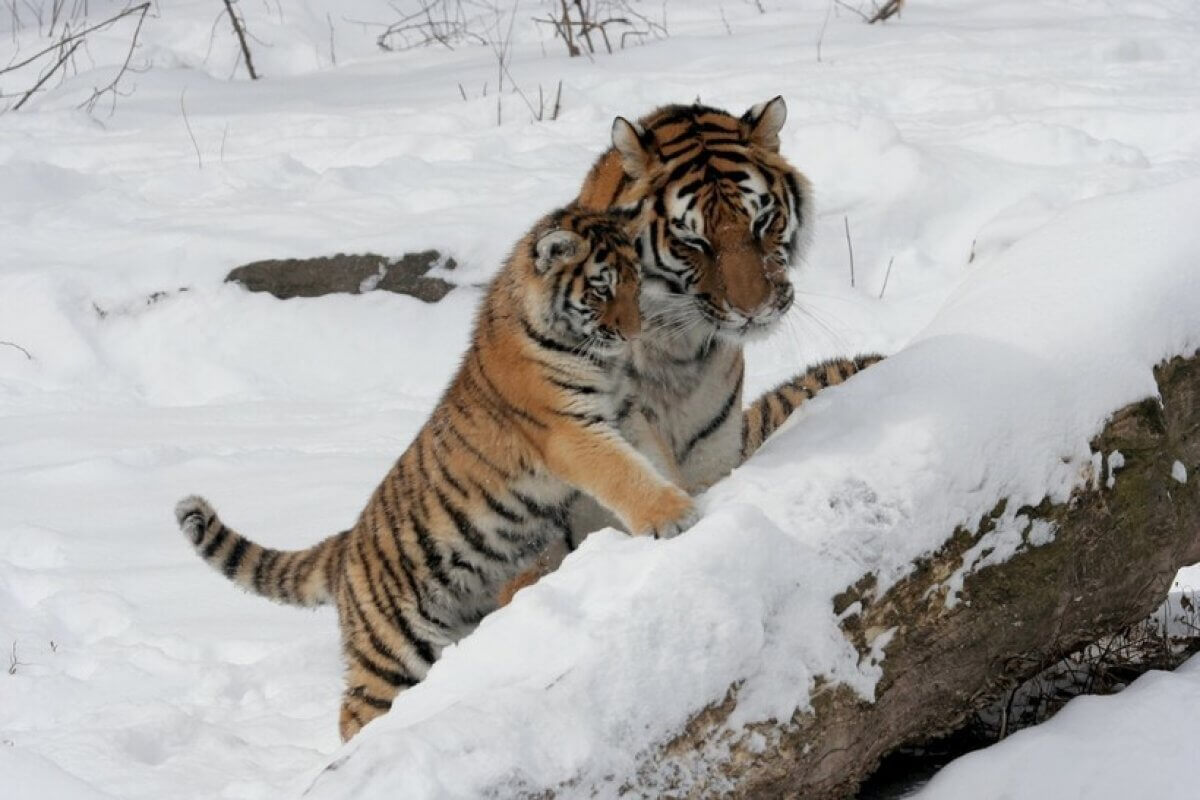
(13, 661)
(240, 30)
(17, 346)
(888, 10)
(852, 9)
(187, 124)
(886, 275)
(142, 8)
(332, 49)
(824, 25)
(850, 248)
(111, 86)
(49, 73)
(66, 45)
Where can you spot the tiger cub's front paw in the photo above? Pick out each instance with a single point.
(673, 529)
(673, 514)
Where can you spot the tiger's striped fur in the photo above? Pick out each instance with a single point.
(774, 407)
(725, 218)
(530, 420)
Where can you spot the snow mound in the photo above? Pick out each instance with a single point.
(1139, 743)
(591, 669)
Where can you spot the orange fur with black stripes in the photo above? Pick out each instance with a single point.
(724, 217)
(774, 407)
(529, 421)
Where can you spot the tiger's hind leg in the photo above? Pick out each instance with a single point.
(373, 680)
(386, 648)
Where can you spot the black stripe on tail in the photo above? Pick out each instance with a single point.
(772, 409)
(295, 577)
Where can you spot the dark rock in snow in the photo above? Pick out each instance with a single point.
(350, 273)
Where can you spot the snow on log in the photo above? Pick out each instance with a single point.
(916, 540)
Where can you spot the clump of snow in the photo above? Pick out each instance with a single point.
(1041, 532)
(1116, 460)
(1009, 536)
(1179, 472)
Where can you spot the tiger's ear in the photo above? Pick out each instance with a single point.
(627, 140)
(765, 121)
(555, 247)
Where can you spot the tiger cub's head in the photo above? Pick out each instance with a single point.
(724, 214)
(584, 273)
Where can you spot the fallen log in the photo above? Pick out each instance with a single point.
(1116, 547)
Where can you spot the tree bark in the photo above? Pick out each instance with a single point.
(1115, 552)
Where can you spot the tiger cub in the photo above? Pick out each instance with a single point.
(529, 420)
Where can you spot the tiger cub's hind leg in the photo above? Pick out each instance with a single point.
(386, 650)
(373, 679)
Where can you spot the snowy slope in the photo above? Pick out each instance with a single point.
(1139, 743)
(996, 398)
(956, 141)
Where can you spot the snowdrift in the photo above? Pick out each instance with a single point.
(588, 674)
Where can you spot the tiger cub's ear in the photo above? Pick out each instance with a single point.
(555, 247)
(765, 121)
(627, 139)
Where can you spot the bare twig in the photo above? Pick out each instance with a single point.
(187, 124)
(62, 60)
(13, 661)
(557, 101)
(888, 10)
(850, 248)
(886, 275)
(824, 25)
(22, 349)
(421, 27)
(332, 48)
(111, 86)
(239, 29)
(138, 9)
(854, 10)
(576, 20)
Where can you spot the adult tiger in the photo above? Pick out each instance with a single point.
(722, 217)
(725, 217)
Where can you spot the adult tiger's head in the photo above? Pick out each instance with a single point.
(584, 279)
(724, 215)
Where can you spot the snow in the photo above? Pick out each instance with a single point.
(1029, 171)
(1179, 472)
(987, 402)
(1139, 743)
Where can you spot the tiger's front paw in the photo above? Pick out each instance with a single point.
(673, 514)
(673, 529)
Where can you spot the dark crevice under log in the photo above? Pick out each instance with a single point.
(1110, 565)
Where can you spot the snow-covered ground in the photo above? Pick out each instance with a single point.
(1139, 743)
(1030, 171)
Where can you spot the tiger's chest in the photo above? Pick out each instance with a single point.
(690, 391)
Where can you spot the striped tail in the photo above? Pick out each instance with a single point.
(295, 577)
(770, 410)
